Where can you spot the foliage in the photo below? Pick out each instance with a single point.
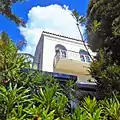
(79, 114)
(103, 26)
(112, 108)
(107, 76)
(32, 95)
(12, 101)
(6, 10)
(81, 20)
(90, 109)
(10, 61)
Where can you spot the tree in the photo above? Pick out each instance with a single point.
(80, 20)
(107, 76)
(103, 26)
(10, 61)
(6, 10)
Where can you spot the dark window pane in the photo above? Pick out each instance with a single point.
(82, 58)
(63, 54)
(57, 52)
(87, 58)
(83, 52)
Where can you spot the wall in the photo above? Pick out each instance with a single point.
(49, 49)
(38, 57)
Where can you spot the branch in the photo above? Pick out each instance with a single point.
(84, 42)
(81, 20)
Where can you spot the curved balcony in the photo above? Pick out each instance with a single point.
(71, 62)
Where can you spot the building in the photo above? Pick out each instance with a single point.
(57, 53)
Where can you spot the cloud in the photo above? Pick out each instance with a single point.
(52, 18)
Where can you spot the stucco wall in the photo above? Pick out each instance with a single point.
(38, 57)
(49, 50)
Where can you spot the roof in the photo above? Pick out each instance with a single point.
(61, 36)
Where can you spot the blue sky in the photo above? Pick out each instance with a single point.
(22, 10)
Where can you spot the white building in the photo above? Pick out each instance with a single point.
(57, 53)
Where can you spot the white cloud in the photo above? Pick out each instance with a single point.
(52, 18)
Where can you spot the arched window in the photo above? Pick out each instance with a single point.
(84, 56)
(60, 50)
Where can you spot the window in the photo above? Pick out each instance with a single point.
(60, 50)
(63, 53)
(82, 58)
(57, 52)
(83, 52)
(87, 58)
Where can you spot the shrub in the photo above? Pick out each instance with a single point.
(34, 96)
(107, 76)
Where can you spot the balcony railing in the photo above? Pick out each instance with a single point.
(71, 55)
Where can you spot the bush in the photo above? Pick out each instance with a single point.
(107, 75)
(90, 109)
(27, 95)
(35, 96)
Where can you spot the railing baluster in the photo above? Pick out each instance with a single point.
(63, 54)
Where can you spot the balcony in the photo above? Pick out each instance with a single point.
(71, 62)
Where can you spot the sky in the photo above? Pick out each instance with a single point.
(43, 15)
